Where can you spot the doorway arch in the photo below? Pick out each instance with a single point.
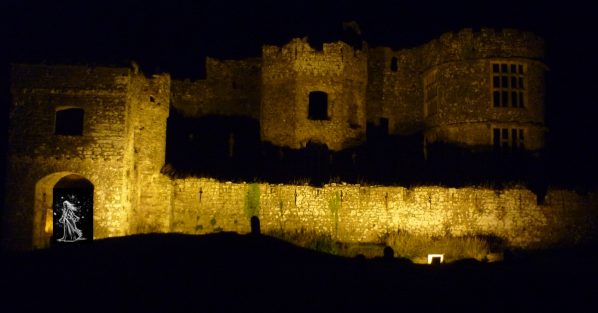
(50, 194)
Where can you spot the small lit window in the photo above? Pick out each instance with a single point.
(69, 122)
(508, 88)
(318, 105)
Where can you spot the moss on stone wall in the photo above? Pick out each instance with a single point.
(370, 213)
(252, 201)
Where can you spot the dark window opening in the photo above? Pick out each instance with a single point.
(505, 98)
(496, 99)
(508, 85)
(353, 118)
(394, 66)
(384, 126)
(507, 139)
(318, 105)
(69, 122)
(496, 138)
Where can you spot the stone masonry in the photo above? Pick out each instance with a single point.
(445, 89)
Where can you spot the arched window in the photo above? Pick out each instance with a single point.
(318, 105)
(69, 121)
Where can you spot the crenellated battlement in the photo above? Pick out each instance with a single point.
(486, 43)
(335, 58)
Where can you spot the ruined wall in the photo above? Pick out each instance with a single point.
(462, 65)
(231, 87)
(290, 73)
(353, 213)
(38, 158)
(149, 100)
(396, 90)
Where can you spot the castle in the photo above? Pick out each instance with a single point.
(105, 129)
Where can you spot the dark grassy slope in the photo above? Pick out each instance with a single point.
(234, 273)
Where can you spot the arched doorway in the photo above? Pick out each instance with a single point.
(63, 210)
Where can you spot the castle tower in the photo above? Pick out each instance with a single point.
(484, 89)
(67, 124)
(98, 128)
(394, 92)
(313, 96)
(150, 191)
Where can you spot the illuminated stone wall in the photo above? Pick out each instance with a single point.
(120, 151)
(122, 148)
(365, 85)
(231, 88)
(290, 73)
(395, 93)
(150, 192)
(38, 158)
(353, 213)
(462, 63)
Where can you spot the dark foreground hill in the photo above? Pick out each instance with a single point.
(235, 273)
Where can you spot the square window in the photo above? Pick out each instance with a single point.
(69, 122)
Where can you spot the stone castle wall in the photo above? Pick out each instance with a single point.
(462, 65)
(150, 193)
(290, 73)
(403, 95)
(38, 158)
(231, 88)
(120, 151)
(353, 213)
(122, 148)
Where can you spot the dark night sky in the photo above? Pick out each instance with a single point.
(176, 35)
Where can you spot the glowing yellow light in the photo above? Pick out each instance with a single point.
(49, 227)
(433, 256)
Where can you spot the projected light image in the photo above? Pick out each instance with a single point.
(72, 218)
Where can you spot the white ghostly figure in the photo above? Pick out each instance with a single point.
(69, 220)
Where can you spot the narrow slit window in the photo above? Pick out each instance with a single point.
(394, 66)
(69, 122)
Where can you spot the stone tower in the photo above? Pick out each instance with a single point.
(484, 88)
(313, 96)
(104, 126)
